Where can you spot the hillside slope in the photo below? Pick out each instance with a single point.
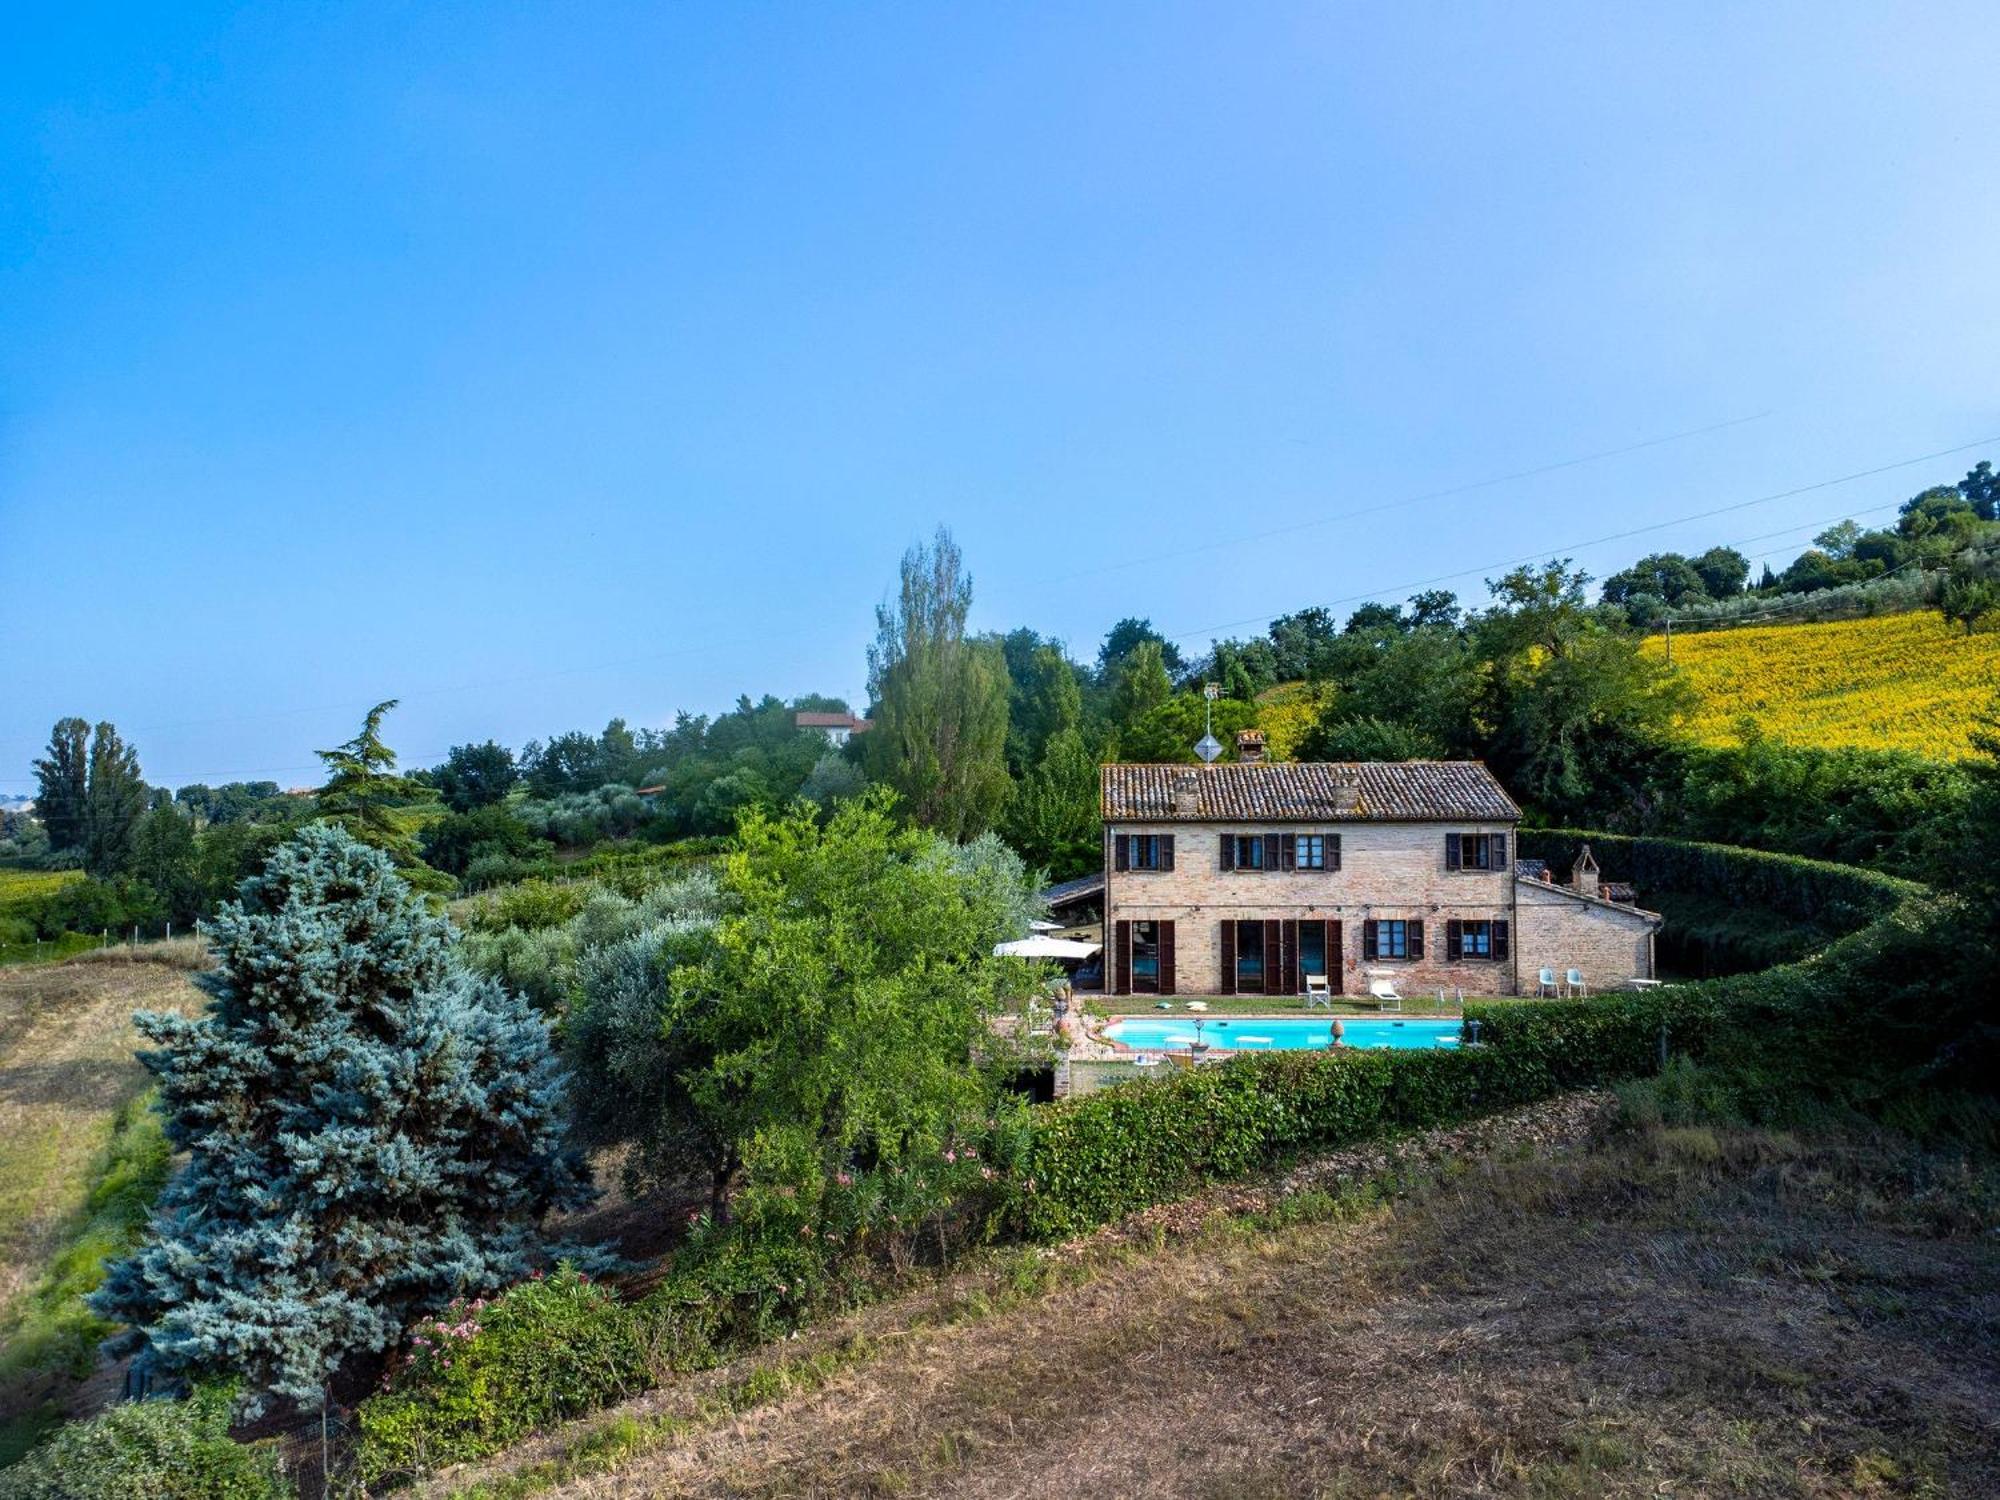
(1893, 682)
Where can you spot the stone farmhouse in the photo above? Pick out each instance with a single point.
(1242, 878)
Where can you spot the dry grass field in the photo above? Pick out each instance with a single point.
(1656, 1312)
(66, 1070)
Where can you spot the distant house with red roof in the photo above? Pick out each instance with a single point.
(838, 728)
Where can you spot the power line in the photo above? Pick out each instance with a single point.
(1240, 539)
(1616, 536)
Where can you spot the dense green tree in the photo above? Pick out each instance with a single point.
(1045, 697)
(567, 763)
(1053, 816)
(1243, 669)
(1981, 489)
(1300, 643)
(369, 1132)
(1126, 637)
(1364, 738)
(166, 858)
(63, 785)
(1664, 575)
(114, 805)
(1723, 572)
(1838, 540)
(835, 1023)
(1971, 600)
(458, 840)
(940, 717)
(1376, 619)
(1169, 731)
(1141, 685)
(475, 776)
(1434, 608)
(362, 785)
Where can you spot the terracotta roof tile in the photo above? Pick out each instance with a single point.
(1409, 791)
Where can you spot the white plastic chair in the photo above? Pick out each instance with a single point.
(1574, 981)
(1546, 984)
(1318, 991)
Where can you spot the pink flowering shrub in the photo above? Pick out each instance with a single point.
(485, 1373)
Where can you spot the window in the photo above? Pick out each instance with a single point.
(1475, 851)
(1312, 947)
(1249, 851)
(1146, 958)
(1311, 849)
(1392, 938)
(1143, 851)
(1476, 939)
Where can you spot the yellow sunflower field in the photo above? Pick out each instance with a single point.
(1893, 682)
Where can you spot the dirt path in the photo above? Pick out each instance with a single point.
(66, 1066)
(1685, 1312)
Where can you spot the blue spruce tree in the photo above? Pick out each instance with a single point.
(370, 1131)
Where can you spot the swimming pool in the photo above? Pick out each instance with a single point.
(1277, 1033)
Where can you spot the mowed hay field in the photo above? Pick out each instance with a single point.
(66, 1068)
(1894, 682)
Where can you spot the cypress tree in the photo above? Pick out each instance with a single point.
(370, 1131)
(116, 802)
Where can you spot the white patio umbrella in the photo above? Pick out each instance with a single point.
(1045, 947)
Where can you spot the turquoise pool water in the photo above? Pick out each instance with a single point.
(1277, 1033)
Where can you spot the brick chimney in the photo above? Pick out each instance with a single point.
(1250, 746)
(1346, 791)
(1583, 878)
(1187, 794)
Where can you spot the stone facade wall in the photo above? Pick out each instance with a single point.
(1559, 931)
(1388, 871)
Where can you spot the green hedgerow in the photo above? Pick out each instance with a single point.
(158, 1450)
(486, 1373)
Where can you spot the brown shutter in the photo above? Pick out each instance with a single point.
(1228, 947)
(1121, 852)
(1416, 932)
(1291, 939)
(1166, 930)
(1499, 851)
(1166, 851)
(1274, 956)
(1333, 851)
(1227, 848)
(1121, 945)
(1274, 846)
(1454, 940)
(1336, 962)
(1499, 939)
(1288, 851)
(1453, 859)
(1369, 943)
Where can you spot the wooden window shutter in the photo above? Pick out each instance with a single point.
(1121, 946)
(1499, 851)
(1333, 851)
(1452, 857)
(1166, 930)
(1274, 956)
(1228, 849)
(1121, 853)
(1416, 935)
(1335, 960)
(1499, 939)
(1166, 851)
(1454, 940)
(1291, 929)
(1288, 851)
(1228, 949)
(1368, 940)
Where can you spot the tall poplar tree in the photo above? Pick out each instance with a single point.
(940, 697)
(114, 806)
(369, 1130)
(63, 778)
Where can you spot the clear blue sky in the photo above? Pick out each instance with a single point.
(543, 363)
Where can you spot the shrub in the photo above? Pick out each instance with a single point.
(487, 1373)
(158, 1450)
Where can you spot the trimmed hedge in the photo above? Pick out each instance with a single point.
(1105, 1154)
